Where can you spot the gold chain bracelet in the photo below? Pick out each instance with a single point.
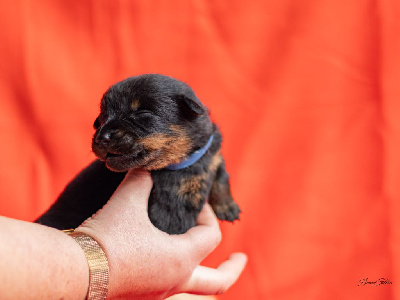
(99, 274)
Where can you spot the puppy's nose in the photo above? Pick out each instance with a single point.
(104, 138)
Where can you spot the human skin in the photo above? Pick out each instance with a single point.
(38, 262)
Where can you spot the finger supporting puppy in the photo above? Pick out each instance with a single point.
(207, 216)
(209, 281)
(203, 238)
(135, 186)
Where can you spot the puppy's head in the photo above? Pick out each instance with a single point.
(149, 121)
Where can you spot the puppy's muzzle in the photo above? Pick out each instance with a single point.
(113, 142)
(104, 137)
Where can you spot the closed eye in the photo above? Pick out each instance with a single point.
(142, 112)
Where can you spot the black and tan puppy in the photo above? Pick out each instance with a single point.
(157, 123)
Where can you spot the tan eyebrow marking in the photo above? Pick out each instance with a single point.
(135, 104)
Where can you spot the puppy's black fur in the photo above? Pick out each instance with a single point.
(151, 121)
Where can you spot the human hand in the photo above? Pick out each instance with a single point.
(146, 263)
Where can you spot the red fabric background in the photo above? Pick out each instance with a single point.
(306, 94)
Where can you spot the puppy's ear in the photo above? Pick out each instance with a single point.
(191, 105)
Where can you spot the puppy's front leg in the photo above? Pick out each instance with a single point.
(220, 197)
(176, 200)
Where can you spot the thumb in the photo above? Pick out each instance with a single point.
(134, 189)
(129, 202)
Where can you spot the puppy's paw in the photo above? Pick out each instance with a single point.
(227, 211)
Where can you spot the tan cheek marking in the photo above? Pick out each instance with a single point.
(178, 130)
(156, 141)
(135, 104)
(172, 149)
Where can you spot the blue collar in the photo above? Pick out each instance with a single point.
(192, 158)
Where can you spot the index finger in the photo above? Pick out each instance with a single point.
(209, 281)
